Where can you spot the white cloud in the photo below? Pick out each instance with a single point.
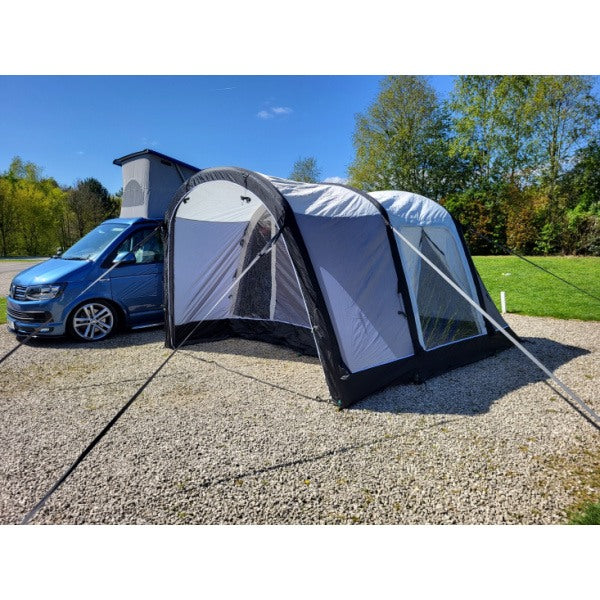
(274, 111)
(282, 110)
(336, 180)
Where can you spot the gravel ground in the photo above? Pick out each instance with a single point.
(235, 432)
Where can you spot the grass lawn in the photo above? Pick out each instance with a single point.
(589, 515)
(530, 291)
(2, 309)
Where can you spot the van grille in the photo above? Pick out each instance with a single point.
(35, 316)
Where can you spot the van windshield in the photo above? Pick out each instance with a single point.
(95, 242)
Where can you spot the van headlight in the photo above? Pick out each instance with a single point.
(44, 292)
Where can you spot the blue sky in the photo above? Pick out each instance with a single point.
(75, 126)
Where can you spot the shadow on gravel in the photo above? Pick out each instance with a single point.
(252, 349)
(472, 389)
(321, 456)
(467, 390)
(271, 384)
(140, 337)
(124, 339)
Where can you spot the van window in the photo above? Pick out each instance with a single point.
(95, 242)
(151, 251)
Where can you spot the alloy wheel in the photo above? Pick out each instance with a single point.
(93, 321)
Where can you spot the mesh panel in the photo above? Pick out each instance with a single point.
(289, 303)
(445, 316)
(133, 195)
(270, 290)
(252, 298)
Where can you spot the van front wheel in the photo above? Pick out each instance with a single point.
(92, 321)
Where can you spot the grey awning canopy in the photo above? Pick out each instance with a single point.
(329, 278)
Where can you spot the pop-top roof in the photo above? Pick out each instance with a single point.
(120, 161)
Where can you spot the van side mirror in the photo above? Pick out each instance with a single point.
(58, 253)
(125, 258)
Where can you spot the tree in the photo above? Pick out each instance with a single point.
(306, 169)
(402, 141)
(91, 204)
(12, 200)
(30, 207)
(580, 190)
(471, 210)
(23, 170)
(517, 148)
(493, 119)
(581, 185)
(475, 103)
(36, 223)
(565, 114)
(8, 215)
(494, 123)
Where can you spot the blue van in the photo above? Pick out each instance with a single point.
(53, 294)
(81, 292)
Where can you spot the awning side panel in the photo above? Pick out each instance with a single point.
(207, 256)
(349, 248)
(353, 264)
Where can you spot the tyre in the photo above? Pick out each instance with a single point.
(92, 321)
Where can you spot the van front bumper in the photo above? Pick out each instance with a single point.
(25, 321)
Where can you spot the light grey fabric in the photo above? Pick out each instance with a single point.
(136, 185)
(322, 200)
(218, 231)
(347, 241)
(410, 261)
(206, 258)
(165, 180)
(289, 303)
(413, 209)
(220, 201)
(354, 266)
(416, 216)
(149, 185)
(405, 211)
(348, 246)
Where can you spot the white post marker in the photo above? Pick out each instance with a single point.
(503, 302)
